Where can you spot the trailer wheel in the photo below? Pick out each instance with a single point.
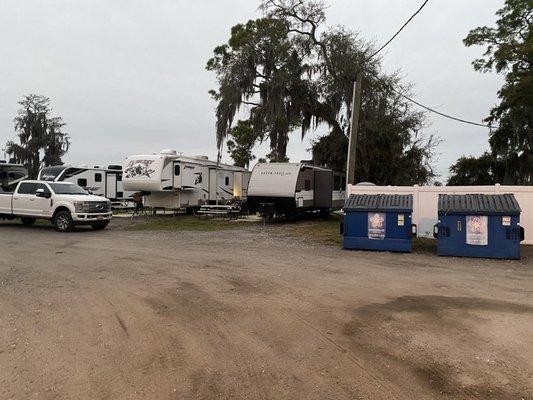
(100, 225)
(27, 221)
(325, 214)
(63, 221)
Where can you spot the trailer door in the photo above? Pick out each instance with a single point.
(323, 188)
(111, 186)
(213, 185)
(177, 175)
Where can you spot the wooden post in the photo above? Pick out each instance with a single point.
(354, 128)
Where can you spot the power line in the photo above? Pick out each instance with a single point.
(397, 33)
(464, 121)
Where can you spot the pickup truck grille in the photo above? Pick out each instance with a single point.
(99, 207)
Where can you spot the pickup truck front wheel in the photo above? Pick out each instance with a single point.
(63, 221)
(27, 221)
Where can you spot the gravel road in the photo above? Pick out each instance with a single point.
(249, 315)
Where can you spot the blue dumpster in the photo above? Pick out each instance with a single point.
(378, 222)
(479, 225)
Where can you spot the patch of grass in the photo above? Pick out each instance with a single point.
(184, 223)
(424, 245)
(318, 230)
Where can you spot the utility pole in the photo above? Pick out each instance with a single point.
(354, 127)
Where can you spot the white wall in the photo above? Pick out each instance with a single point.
(425, 201)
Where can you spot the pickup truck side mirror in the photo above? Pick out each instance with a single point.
(42, 193)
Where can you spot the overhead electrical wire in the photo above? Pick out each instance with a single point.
(464, 121)
(399, 30)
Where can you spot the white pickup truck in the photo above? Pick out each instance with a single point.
(64, 203)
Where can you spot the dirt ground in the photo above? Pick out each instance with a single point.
(248, 314)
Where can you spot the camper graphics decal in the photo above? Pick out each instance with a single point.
(279, 173)
(138, 169)
(198, 179)
(376, 226)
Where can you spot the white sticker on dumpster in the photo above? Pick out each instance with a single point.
(376, 226)
(477, 230)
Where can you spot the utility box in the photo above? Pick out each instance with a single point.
(479, 225)
(378, 222)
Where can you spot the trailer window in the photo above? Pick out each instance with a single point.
(98, 177)
(177, 170)
(82, 182)
(227, 180)
(70, 172)
(307, 186)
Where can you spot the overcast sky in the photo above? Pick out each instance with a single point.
(128, 76)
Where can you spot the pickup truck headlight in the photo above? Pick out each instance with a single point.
(82, 206)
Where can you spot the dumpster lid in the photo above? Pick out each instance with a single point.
(478, 204)
(379, 202)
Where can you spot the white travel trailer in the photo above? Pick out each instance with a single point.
(106, 182)
(11, 175)
(172, 181)
(290, 188)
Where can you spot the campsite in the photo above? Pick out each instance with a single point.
(266, 200)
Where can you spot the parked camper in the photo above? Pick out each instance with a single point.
(289, 188)
(11, 175)
(106, 182)
(173, 181)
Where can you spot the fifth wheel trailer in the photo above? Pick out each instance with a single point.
(173, 181)
(296, 187)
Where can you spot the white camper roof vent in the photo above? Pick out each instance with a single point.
(169, 152)
(202, 157)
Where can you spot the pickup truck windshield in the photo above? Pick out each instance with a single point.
(61, 188)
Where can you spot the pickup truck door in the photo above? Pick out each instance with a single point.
(5, 203)
(41, 205)
(21, 198)
(26, 202)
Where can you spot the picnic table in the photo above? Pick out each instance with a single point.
(229, 211)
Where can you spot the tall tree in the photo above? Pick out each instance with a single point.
(41, 136)
(509, 51)
(259, 68)
(241, 142)
(286, 71)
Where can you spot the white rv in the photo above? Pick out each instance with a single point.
(172, 181)
(106, 182)
(290, 188)
(11, 175)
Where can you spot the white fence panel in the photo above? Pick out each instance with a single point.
(425, 199)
